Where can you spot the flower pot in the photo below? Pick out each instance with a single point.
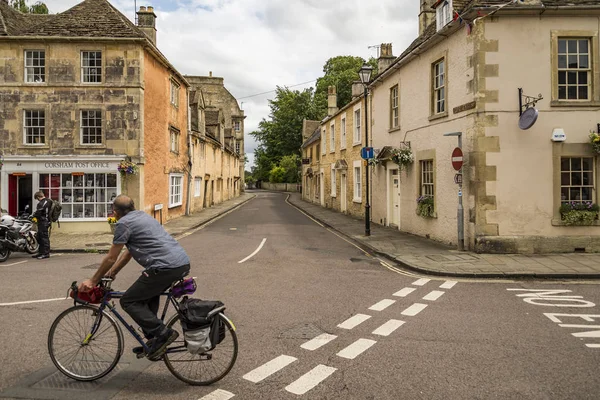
(112, 228)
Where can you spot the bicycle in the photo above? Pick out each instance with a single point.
(98, 344)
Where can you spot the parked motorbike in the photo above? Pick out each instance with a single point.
(17, 234)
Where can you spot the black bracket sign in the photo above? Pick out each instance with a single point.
(529, 101)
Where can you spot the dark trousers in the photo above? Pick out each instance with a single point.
(43, 238)
(142, 300)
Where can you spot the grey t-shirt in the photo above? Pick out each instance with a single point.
(148, 242)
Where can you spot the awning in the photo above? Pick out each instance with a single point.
(341, 164)
(385, 153)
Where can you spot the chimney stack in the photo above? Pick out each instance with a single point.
(426, 15)
(358, 89)
(386, 57)
(147, 22)
(332, 107)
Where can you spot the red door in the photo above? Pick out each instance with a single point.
(12, 195)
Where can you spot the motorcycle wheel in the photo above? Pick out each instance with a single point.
(32, 245)
(4, 253)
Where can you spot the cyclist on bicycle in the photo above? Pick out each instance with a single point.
(164, 262)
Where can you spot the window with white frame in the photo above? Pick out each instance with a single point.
(175, 190)
(357, 135)
(197, 187)
(439, 87)
(443, 14)
(91, 127)
(576, 179)
(174, 93)
(343, 133)
(427, 184)
(35, 66)
(357, 181)
(237, 126)
(324, 141)
(34, 126)
(332, 137)
(174, 138)
(91, 66)
(574, 69)
(333, 181)
(394, 109)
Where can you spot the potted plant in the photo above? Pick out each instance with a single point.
(127, 168)
(403, 157)
(579, 213)
(112, 221)
(425, 206)
(595, 142)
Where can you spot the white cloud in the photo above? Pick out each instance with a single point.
(259, 44)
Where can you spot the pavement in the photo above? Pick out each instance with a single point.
(405, 250)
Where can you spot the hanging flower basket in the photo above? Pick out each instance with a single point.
(579, 214)
(595, 141)
(127, 168)
(112, 222)
(425, 206)
(403, 157)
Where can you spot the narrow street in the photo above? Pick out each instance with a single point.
(318, 318)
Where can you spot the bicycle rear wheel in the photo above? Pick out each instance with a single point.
(78, 352)
(206, 368)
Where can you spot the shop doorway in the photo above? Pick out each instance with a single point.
(20, 194)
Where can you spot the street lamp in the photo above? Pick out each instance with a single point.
(365, 78)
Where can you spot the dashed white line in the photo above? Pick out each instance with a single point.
(414, 309)
(311, 379)
(448, 285)
(269, 368)
(389, 327)
(255, 251)
(31, 302)
(434, 295)
(15, 263)
(356, 348)
(404, 292)
(382, 305)
(421, 282)
(218, 394)
(593, 346)
(354, 321)
(319, 341)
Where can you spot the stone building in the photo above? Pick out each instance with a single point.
(311, 155)
(81, 92)
(463, 74)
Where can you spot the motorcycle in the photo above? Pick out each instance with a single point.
(17, 234)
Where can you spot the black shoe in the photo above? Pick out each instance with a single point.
(35, 256)
(140, 349)
(43, 256)
(159, 347)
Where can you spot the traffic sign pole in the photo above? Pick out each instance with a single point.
(457, 164)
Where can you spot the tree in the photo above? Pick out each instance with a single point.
(37, 8)
(291, 165)
(277, 175)
(341, 72)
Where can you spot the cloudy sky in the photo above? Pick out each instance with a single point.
(256, 45)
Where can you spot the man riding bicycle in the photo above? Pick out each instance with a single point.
(164, 262)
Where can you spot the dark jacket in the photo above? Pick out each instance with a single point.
(42, 212)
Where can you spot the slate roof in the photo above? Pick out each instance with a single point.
(212, 117)
(90, 18)
(313, 138)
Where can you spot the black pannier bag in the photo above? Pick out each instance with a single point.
(201, 333)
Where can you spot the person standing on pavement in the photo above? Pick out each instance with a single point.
(42, 214)
(164, 262)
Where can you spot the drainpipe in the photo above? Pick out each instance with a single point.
(190, 155)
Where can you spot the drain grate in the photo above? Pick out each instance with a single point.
(59, 381)
(91, 266)
(304, 331)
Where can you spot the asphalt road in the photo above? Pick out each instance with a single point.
(419, 337)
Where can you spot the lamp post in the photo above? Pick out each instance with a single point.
(365, 78)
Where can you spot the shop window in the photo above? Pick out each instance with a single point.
(91, 67)
(175, 190)
(35, 126)
(83, 196)
(91, 127)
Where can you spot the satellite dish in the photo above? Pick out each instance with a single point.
(528, 118)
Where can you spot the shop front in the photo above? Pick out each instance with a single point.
(84, 185)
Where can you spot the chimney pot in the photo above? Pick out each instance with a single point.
(386, 57)
(142, 8)
(210, 74)
(331, 101)
(150, 9)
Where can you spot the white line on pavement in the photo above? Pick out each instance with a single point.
(382, 305)
(311, 379)
(389, 327)
(593, 346)
(16, 263)
(31, 302)
(269, 368)
(448, 285)
(404, 292)
(414, 309)
(255, 251)
(319, 341)
(356, 348)
(434, 295)
(218, 394)
(354, 321)
(421, 282)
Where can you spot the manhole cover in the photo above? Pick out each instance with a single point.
(59, 381)
(304, 331)
(92, 266)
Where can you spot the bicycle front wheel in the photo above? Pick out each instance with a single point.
(206, 368)
(78, 350)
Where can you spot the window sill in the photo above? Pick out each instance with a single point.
(175, 205)
(558, 222)
(572, 103)
(438, 116)
(357, 201)
(33, 146)
(356, 144)
(93, 146)
(333, 195)
(396, 129)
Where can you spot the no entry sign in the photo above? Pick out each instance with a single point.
(457, 158)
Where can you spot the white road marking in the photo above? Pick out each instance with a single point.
(448, 285)
(255, 251)
(434, 295)
(269, 368)
(421, 282)
(16, 263)
(414, 309)
(593, 346)
(404, 292)
(311, 379)
(382, 305)
(31, 302)
(356, 348)
(354, 321)
(389, 327)
(218, 395)
(319, 341)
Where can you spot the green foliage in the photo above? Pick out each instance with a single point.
(37, 8)
(579, 213)
(425, 206)
(291, 164)
(277, 175)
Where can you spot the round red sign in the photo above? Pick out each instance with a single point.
(457, 158)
